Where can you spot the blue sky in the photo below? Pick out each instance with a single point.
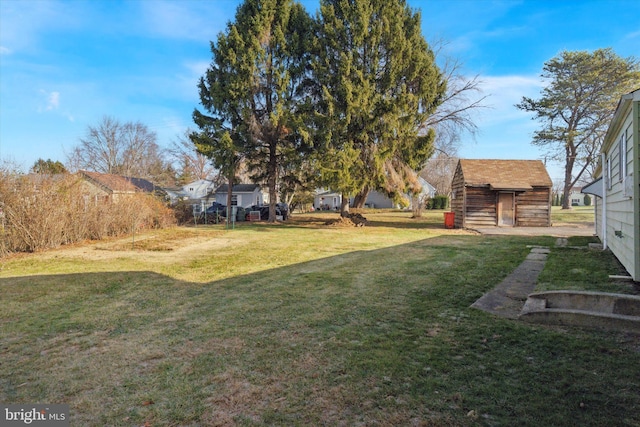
(66, 64)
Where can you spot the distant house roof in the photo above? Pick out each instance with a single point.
(323, 192)
(426, 186)
(110, 182)
(142, 184)
(238, 188)
(505, 174)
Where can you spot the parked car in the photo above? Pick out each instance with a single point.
(284, 210)
(281, 210)
(213, 213)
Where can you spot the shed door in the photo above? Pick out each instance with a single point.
(506, 209)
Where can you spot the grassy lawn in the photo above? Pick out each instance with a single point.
(575, 214)
(304, 324)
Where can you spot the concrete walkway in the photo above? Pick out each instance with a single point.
(508, 298)
(562, 230)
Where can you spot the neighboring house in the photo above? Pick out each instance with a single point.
(144, 185)
(243, 195)
(503, 193)
(200, 192)
(104, 187)
(330, 200)
(327, 200)
(202, 189)
(379, 200)
(617, 186)
(576, 196)
(175, 194)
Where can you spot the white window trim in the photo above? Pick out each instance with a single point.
(608, 173)
(622, 157)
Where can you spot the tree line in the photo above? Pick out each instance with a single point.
(350, 99)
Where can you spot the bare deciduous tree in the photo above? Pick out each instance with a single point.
(462, 99)
(453, 118)
(128, 149)
(192, 164)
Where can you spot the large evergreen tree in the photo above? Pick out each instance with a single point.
(577, 105)
(253, 90)
(378, 82)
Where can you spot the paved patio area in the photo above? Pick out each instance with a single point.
(562, 230)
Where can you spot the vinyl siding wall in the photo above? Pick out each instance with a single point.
(622, 221)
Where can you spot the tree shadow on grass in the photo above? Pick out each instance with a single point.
(385, 336)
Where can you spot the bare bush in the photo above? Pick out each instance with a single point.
(47, 211)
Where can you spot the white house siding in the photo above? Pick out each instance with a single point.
(244, 199)
(327, 200)
(597, 206)
(378, 200)
(198, 189)
(621, 174)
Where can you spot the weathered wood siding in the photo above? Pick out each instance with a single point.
(476, 205)
(533, 208)
(481, 207)
(457, 198)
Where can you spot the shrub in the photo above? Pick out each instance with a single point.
(441, 202)
(46, 211)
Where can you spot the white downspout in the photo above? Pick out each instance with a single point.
(605, 171)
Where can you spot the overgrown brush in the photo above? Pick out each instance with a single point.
(46, 211)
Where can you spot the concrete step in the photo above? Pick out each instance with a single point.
(586, 309)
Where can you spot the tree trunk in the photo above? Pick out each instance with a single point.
(568, 171)
(344, 205)
(230, 181)
(361, 198)
(272, 178)
(417, 206)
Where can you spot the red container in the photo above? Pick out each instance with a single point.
(449, 219)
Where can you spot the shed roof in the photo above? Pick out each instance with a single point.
(505, 174)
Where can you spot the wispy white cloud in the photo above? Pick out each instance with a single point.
(50, 102)
(54, 101)
(504, 92)
(197, 68)
(633, 35)
(22, 23)
(187, 19)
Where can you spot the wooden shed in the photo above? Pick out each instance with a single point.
(504, 193)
